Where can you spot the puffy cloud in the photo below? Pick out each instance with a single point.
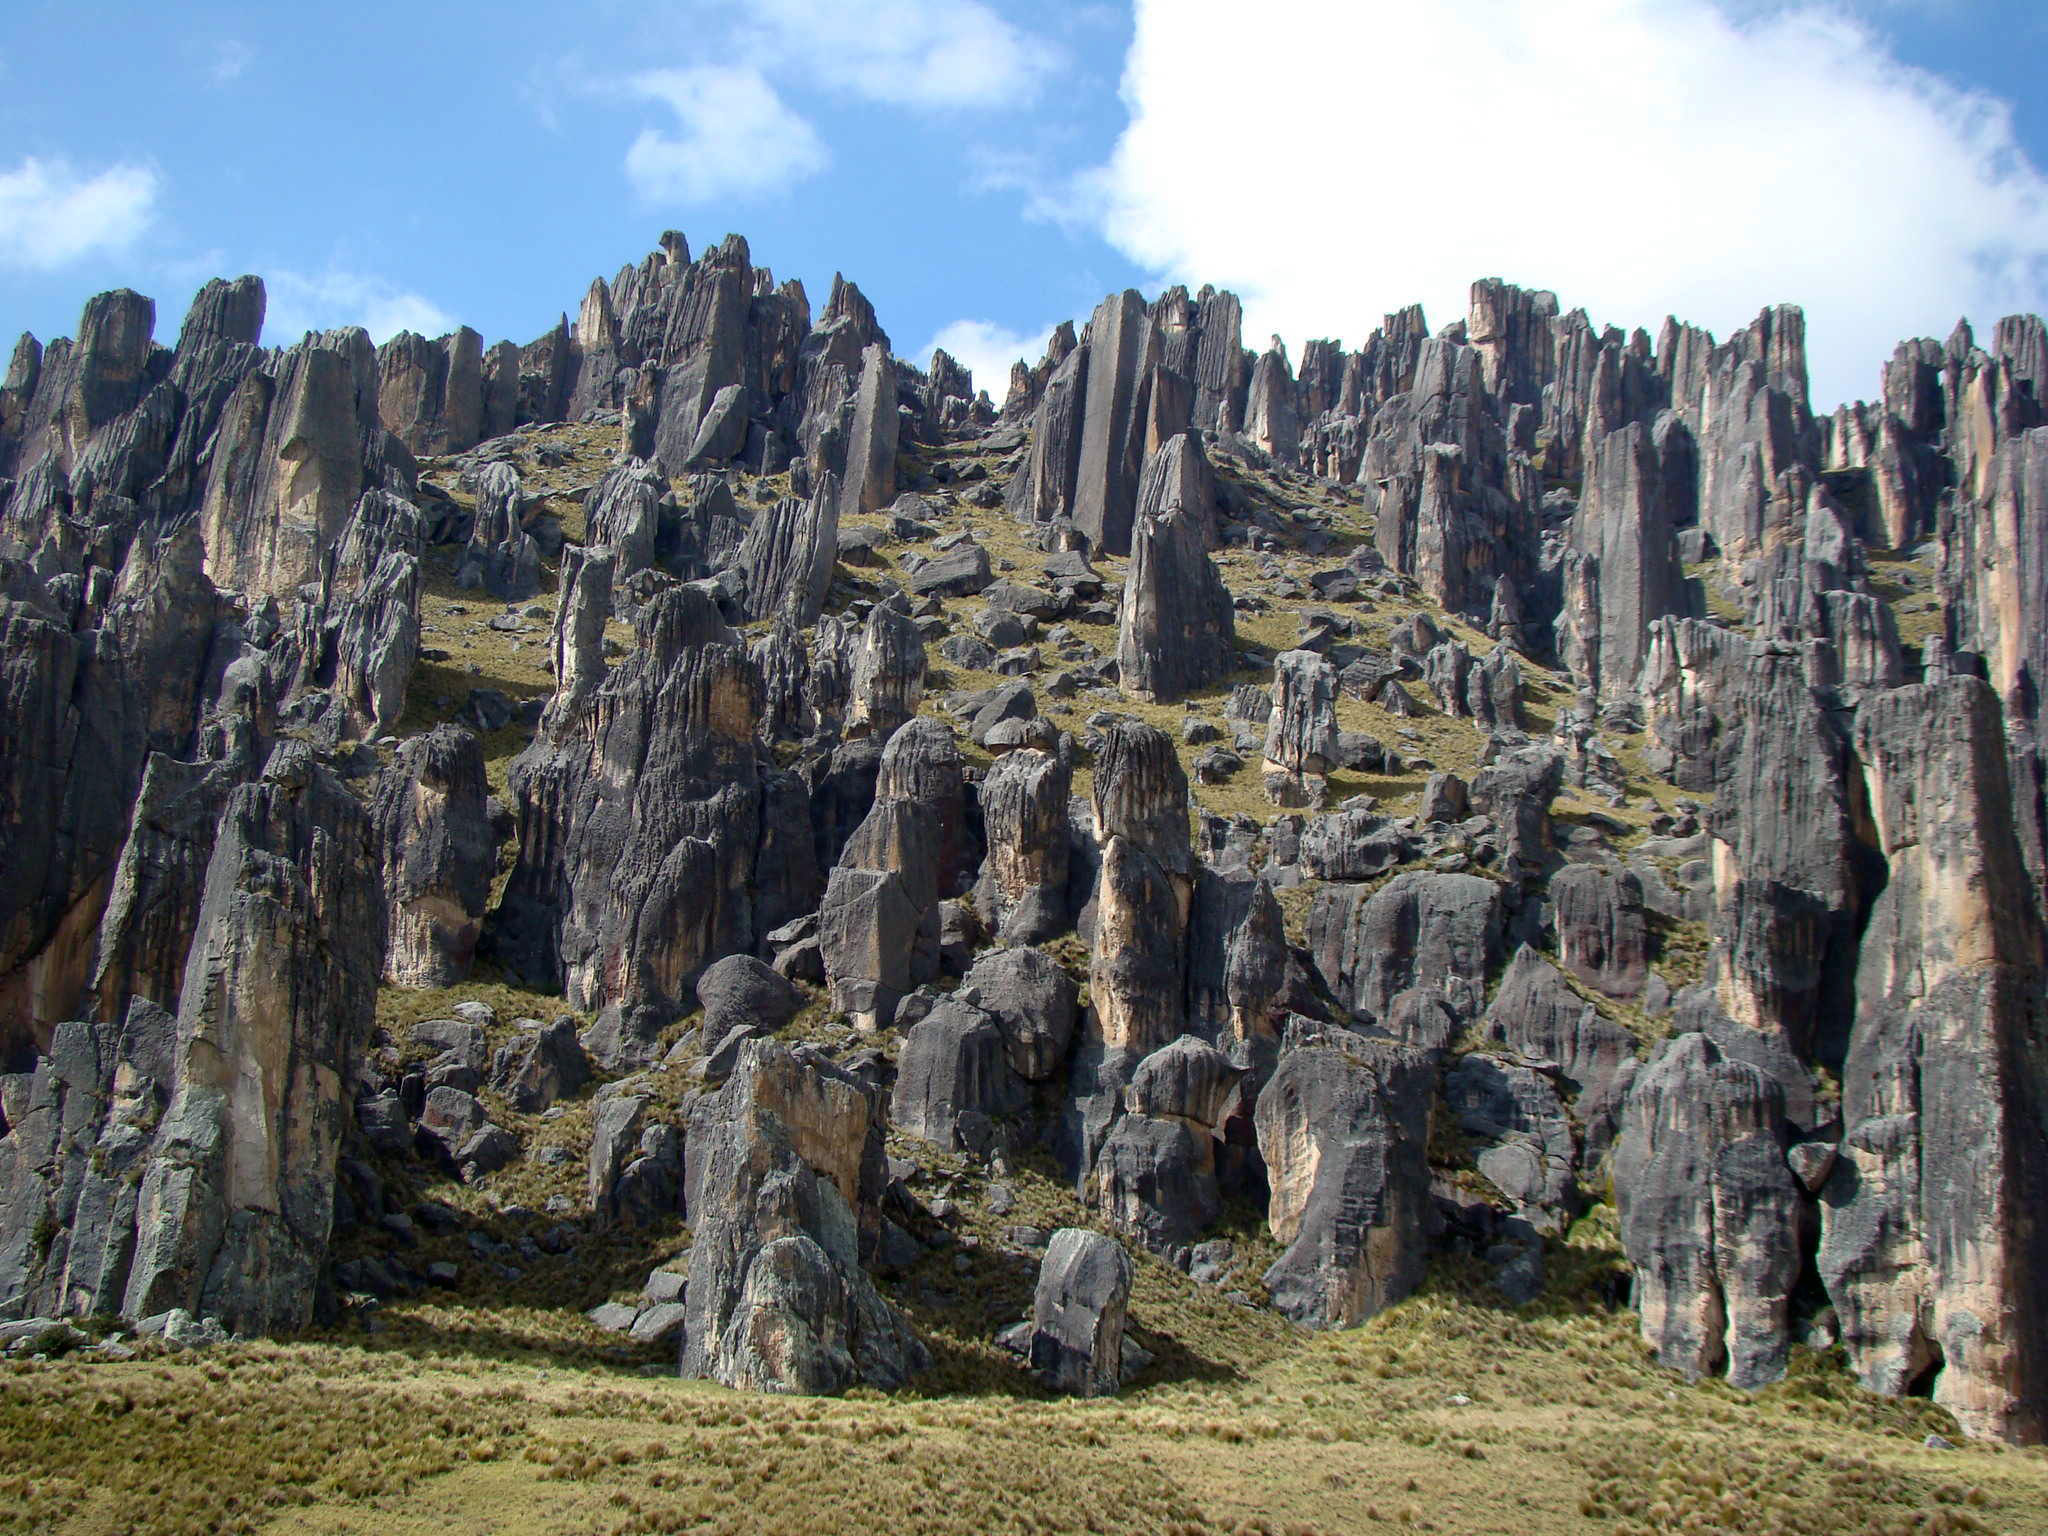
(1639, 157)
(737, 138)
(916, 53)
(987, 350)
(300, 302)
(51, 214)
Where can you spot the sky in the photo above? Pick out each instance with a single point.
(986, 168)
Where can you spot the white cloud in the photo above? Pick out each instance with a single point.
(987, 350)
(300, 302)
(1639, 157)
(231, 60)
(913, 53)
(52, 214)
(738, 139)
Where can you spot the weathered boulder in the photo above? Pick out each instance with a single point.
(1301, 738)
(1710, 1215)
(1176, 630)
(1122, 348)
(1929, 1249)
(1520, 1135)
(787, 560)
(888, 670)
(236, 1194)
(1602, 936)
(1022, 892)
(1155, 1175)
(655, 835)
(543, 1065)
(960, 571)
(784, 1171)
(502, 556)
(1442, 931)
(1138, 963)
(953, 1077)
(1537, 1016)
(1342, 1126)
(1077, 1313)
(871, 444)
(439, 856)
(1033, 1001)
(739, 992)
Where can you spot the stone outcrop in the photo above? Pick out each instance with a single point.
(1022, 890)
(1142, 889)
(1710, 1215)
(216, 1134)
(502, 557)
(1301, 738)
(787, 559)
(1442, 931)
(1928, 1249)
(1155, 1176)
(784, 1175)
(1078, 1311)
(644, 807)
(1176, 631)
(439, 856)
(1342, 1126)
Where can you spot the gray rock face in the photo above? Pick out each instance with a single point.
(1441, 931)
(1455, 508)
(1142, 890)
(1520, 1135)
(431, 393)
(888, 670)
(1926, 1250)
(1042, 491)
(954, 1067)
(622, 513)
(1602, 937)
(502, 557)
(1077, 1313)
(1625, 569)
(960, 571)
(1033, 1001)
(1301, 738)
(224, 1207)
(1342, 1126)
(85, 711)
(881, 938)
(1176, 632)
(1271, 419)
(1122, 348)
(1710, 1214)
(871, 445)
(722, 434)
(1536, 1015)
(439, 856)
(784, 1170)
(1022, 892)
(644, 809)
(160, 882)
(788, 557)
(1155, 1176)
(74, 1146)
(289, 463)
(1516, 789)
(542, 1066)
(739, 992)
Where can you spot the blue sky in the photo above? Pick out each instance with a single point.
(983, 169)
